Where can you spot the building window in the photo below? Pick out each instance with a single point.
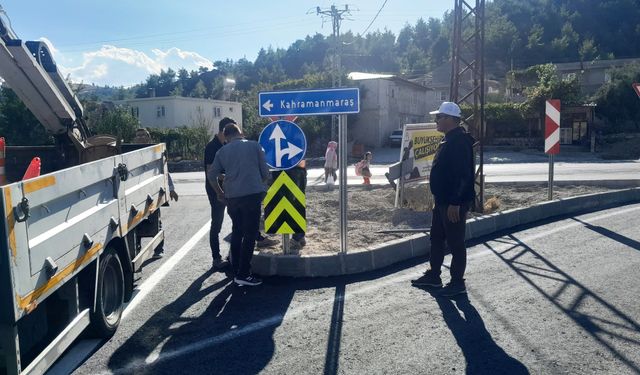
(216, 112)
(135, 112)
(160, 112)
(443, 95)
(393, 93)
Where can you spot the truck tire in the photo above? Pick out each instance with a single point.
(110, 295)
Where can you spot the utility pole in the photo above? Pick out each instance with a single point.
(468, 78)
(337, 15)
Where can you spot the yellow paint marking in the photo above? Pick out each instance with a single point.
(38, 183)
(11, 224)
(285, 229)
(284, 205)
(284, 180)
(142, 215)
(157, 148)
(28, 302)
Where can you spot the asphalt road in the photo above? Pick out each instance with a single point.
(561, 297)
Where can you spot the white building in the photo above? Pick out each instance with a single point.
(178, 111)
(387, 103)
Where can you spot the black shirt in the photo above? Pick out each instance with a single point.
(210, 152)
(453, 169)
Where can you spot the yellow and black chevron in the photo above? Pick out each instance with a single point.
(284, 207)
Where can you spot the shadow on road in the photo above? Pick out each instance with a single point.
(482, 354)
(609, 326)
(335, 333)
(234, 332)
(611, 234)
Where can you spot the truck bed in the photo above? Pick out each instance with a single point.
(56, 224)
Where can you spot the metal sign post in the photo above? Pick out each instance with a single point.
(550, 195)
(342, 159)
(336, 101)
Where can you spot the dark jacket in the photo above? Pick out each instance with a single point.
(210, 152)
(452, 173)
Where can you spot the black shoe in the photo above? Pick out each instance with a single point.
(219, 264)
(247, 281)
(428, 279)
(453, 289)
(158, 255)
(266, 242)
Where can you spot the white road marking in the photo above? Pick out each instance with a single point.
(84, 348)
(153, 280)
(549, 232)
(158, 356)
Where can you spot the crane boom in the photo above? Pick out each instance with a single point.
(29, 69)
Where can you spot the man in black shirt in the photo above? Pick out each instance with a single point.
(452, 185)
(217, 207)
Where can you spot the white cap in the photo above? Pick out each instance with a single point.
(448, 108)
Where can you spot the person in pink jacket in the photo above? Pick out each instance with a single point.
(331, 162)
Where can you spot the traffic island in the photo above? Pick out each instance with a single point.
(391, 252)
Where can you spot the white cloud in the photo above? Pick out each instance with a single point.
(116, 66)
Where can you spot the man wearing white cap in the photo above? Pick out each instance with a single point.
(452, 185)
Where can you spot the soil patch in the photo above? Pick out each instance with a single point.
(372, 209)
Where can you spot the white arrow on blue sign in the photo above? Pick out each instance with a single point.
(309, 102)
(284, 144)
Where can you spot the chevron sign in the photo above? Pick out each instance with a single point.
(284, 207)
(552, 127)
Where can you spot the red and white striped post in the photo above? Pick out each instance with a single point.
(552, 136)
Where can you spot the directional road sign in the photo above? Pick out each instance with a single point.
(284, 144)
(284, 207)
(309, 102)
(552, 127)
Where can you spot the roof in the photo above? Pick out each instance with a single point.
(171, 98)
(595, 64)
(359, 76)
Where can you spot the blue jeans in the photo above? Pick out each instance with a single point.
(245, 214)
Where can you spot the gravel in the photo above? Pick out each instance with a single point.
(371, 209)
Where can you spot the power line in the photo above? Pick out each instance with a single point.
(374, 18)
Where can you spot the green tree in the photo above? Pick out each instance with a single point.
(200, 90)
(117, 122)
(550, 86)
(617, 102)
(17, 124)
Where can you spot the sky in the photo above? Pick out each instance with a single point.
(120, 43)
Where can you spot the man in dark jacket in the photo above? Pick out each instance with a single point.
(217, 207)
(452, 185)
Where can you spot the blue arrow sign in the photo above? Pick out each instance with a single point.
(309, 102)
(284, 144)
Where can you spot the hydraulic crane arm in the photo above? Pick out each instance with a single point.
(28, 68)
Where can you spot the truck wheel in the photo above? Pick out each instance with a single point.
(110, 295)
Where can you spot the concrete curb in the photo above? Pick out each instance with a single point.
(385, 254)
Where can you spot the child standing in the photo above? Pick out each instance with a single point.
(364, 168)
(331, 162)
